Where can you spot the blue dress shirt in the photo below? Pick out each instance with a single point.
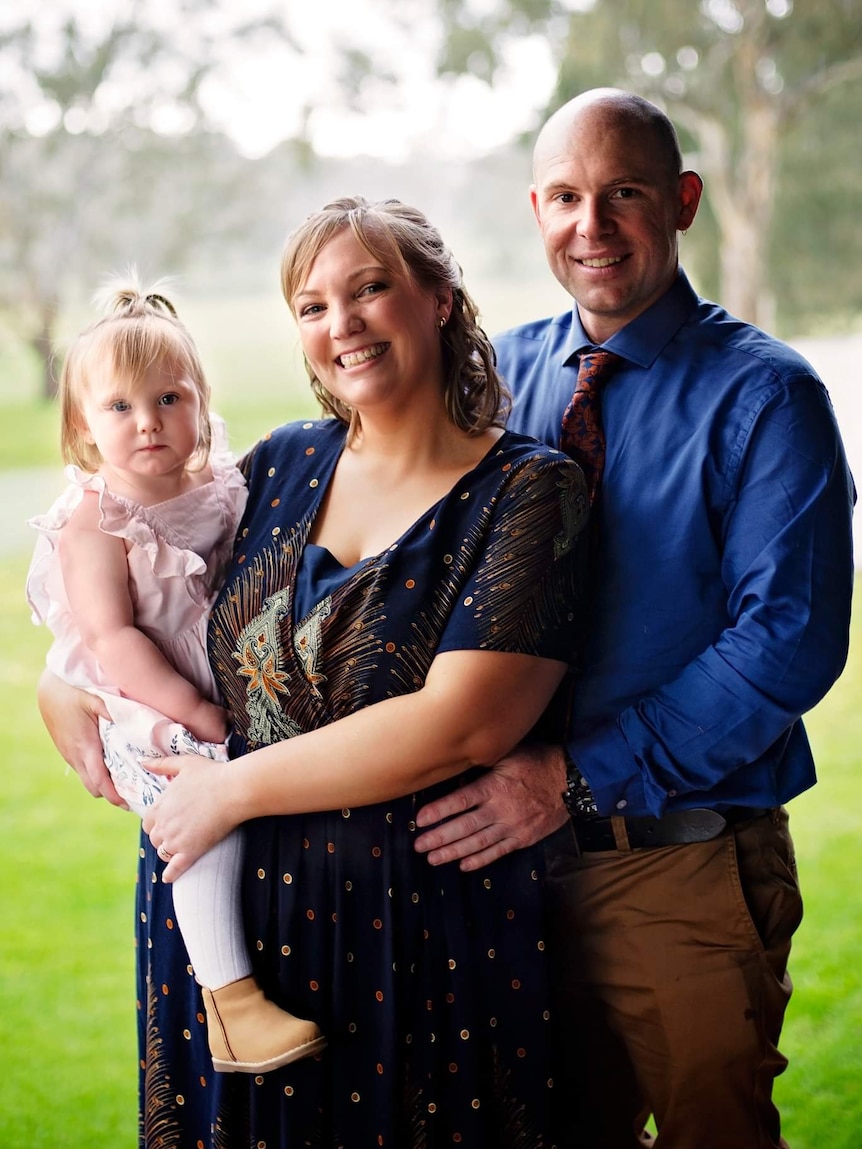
(724, 569)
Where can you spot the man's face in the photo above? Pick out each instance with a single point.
(609, 208)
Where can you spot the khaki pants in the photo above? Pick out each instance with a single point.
(670, 970)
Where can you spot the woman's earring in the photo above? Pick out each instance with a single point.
(442, 322)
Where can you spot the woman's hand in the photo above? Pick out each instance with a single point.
(72, 720)
(193, 813)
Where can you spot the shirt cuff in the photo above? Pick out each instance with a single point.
(605, 761)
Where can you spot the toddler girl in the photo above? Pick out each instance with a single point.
(125, 569)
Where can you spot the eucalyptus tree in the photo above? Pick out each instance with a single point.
(754, 86)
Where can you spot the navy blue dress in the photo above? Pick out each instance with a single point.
(430, 984)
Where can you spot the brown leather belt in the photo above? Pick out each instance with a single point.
(676, 828)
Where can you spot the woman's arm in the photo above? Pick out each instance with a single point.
(475, 705)
(96, 578)
(72, 720)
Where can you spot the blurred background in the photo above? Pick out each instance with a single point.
(187, 137)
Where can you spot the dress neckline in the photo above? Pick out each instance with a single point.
(324, 487)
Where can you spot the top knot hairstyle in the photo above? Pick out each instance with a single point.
(138, 329)
(404, 242)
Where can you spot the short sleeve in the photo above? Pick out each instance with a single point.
(525, 592)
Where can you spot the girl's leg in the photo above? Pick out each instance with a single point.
(247, 1032)
(209, 914)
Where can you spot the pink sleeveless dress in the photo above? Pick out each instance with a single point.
(177, 553)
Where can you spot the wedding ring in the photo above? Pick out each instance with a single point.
(163, 853)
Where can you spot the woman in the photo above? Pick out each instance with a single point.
(399, 611)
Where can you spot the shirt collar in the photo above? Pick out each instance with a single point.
(644, 339)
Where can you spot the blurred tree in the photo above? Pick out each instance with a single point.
(746, 82)
(106, 157)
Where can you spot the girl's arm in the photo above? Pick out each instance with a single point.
(475, 705)
(96, 577)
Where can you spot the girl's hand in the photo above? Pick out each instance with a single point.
(193, 813)
(72, 720)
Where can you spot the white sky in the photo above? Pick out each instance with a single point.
(259, 91)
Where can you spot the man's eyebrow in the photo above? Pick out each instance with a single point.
(616, 182)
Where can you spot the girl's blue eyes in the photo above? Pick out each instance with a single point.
(121, 406)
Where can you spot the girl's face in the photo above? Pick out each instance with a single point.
(371, 337)
(145, 432)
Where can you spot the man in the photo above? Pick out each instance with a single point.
(721, 611)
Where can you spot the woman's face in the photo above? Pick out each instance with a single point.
(372, 337)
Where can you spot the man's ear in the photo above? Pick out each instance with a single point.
(690, 191)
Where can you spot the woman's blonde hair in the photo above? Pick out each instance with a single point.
(138, 329)
(405, 243)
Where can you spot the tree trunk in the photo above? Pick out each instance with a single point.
(740, 183)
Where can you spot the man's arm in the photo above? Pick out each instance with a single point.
(787, 567)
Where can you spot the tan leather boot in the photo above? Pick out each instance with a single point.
(248, 1033)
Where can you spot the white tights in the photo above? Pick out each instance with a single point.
(209, 914)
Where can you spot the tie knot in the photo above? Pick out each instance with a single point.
(595, 367)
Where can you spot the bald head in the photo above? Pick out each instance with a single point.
(611, 110)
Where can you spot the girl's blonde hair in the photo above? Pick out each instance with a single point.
(138, 329)
(404, 242)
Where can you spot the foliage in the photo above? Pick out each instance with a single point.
(741, 78)
(107, 156)
(816, 247)
(83, 141)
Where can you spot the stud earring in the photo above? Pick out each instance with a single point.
(442, 322)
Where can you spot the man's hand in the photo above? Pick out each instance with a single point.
(515, 804)
(72, 719)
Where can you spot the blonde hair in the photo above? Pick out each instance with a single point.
(405, 243)
(138, 329)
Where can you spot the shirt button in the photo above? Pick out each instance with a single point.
(621, 805)
(671, 793)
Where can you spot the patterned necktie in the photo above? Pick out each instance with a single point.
(582, 437)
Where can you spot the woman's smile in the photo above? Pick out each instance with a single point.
(363, 355)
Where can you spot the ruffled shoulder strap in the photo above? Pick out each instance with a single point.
(120, 517)
(61, 510)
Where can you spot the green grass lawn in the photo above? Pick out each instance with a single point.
(67, 871)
